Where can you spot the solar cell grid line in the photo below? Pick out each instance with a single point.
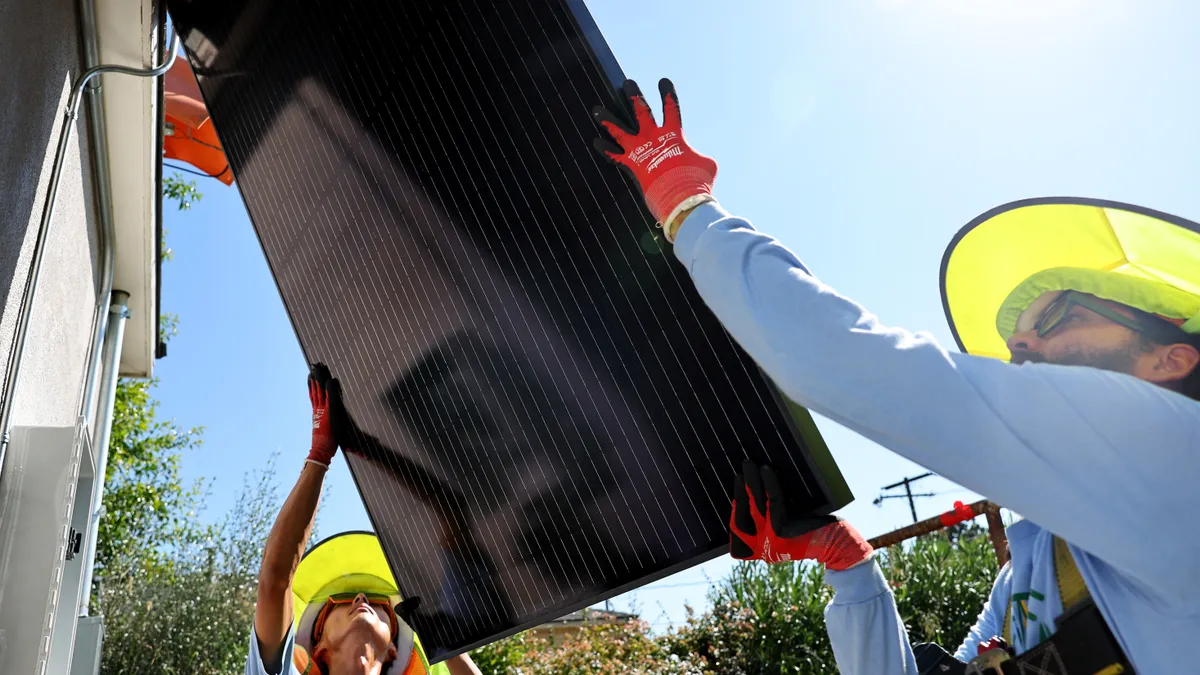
(646, 335)
(593, 551)
(478, 486)
(543, 266)
(576, 46)
(318, 333)
(671, 307)
(443, 308)
(522, 580)
(473, 214)
(493, 608)
(676, 397)
(547, 421)
(676, 470)
(492, 103)
(461, 468)
(574, 331)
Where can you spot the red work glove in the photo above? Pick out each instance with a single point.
(325, 393)
(673, 177)
(760, 529)
(994, 643)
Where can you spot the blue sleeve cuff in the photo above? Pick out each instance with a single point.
(693, 226)
(861, 583)
(254, 661)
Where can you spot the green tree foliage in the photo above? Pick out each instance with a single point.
(183, 600)
(144, 498)
(177, 595)
(764, 618)
(771, 618)
(183, 192)
(940, 587)
(593, 650)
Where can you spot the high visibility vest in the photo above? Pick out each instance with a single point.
(1071, 587)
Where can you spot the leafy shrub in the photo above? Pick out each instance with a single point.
(770, 618)
(764, 618)
(593, 650)
(940, 588)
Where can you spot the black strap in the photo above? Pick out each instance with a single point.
(1083, 644)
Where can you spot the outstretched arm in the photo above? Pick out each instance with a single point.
(289, 535)
(1054, 443)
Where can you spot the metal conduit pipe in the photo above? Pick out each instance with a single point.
(106, 241)
(114, 337)
(39, 248)
(101, 371)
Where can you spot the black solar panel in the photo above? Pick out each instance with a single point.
(550, 415)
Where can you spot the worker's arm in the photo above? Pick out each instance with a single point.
(864, 627)
(285, 545)
(990, 623)
(1104, 460)
(462, 665)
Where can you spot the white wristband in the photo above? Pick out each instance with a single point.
(689, 203)
(313, 461)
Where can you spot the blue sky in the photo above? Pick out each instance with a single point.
(862, 134)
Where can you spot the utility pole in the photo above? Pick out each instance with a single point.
(908, 493)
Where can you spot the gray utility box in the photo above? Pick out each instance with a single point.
(88, 638)
(45, 498)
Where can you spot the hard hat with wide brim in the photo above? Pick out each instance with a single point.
(353, 562)
(1005, 259)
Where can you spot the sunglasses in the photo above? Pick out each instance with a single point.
(338, 599)
(1058, 311)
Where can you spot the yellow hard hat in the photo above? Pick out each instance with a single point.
(353, 562)
(1005, 259)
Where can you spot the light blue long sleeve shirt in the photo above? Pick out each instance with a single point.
(1106, 461)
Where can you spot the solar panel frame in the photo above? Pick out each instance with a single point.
(254, 96)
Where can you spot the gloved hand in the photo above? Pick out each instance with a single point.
(673, 177)
(326, 395)
(761, 530)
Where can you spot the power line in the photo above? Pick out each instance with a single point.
(186, 170)
(908, 493)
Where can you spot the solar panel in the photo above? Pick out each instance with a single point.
(547, 413)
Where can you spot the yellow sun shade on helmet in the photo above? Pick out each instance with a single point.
(1002, 261)
(353, 562)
